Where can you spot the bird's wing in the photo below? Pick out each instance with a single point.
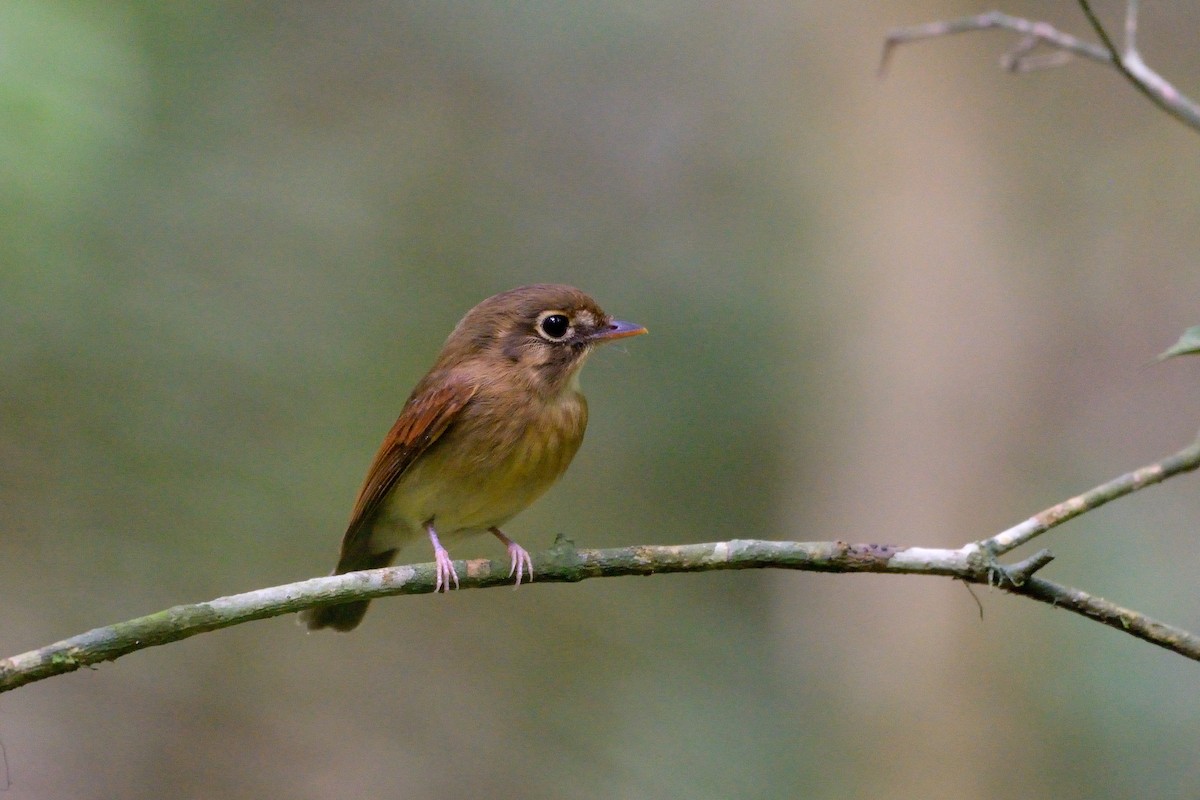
(425, 417)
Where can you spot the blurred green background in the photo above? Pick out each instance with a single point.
(907, 310)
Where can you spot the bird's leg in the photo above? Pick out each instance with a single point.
(445, 566)
(518, 556)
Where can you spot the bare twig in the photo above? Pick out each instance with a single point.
(1035, 33)
(1018, 574)
(975, 562)
(1185, 460)
(1111, 614)
(1136, 71)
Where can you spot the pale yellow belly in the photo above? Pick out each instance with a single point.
(469, 489)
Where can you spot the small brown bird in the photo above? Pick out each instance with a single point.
(489, 428)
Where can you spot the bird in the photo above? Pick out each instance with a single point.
(492, 425)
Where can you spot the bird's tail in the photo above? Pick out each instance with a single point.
(345, 616)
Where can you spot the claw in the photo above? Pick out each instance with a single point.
(518, 557)
(445, 565)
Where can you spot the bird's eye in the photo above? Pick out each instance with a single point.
(554, 327)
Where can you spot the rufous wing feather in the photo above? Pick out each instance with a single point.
(425, 417)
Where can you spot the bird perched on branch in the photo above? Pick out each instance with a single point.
(492, 425)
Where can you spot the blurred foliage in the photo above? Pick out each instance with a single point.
(234, 236)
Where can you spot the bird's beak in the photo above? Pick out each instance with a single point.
(618, 329)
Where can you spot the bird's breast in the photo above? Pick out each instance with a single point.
(490, 464)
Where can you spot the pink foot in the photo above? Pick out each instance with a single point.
(445, 566)
(518, 557)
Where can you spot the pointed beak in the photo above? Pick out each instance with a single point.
(618, 329)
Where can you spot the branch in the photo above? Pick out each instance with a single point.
(1064, 47)
(561, 564)
(1017, 60)
(1136, 71)
(975, 562)
(1185, 460)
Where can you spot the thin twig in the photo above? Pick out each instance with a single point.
(1020, 59)
(1021, 572)
(1123, 619)
(1033, 31)
(1131, 26)
(1122, 62)
(1136, 71)
(1185, 460)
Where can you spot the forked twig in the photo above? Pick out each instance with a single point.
(1033, 33)
(1036, 34)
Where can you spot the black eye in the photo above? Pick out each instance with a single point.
(555, 326)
